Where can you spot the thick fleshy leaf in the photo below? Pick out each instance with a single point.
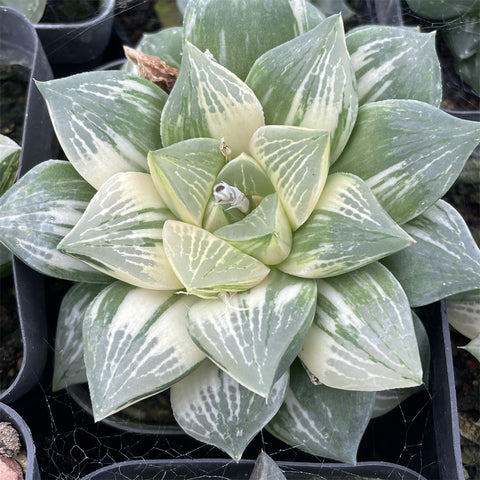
(9, 159)
(215, 409)
(258, 333)
(443, 9)
(387, 400)
(259, 26)
(136, 344)
(217, 216)
(462, 36)
(264, 234)
(473, 347)
(69, 367)
(320, 420)
(296, 161)
(33, 9)
(184, 175)
(363, 337)
(38, 211)
(210, 101)
(468, 69)
(347, 229)
(120, 233)
(395, 62)
(106, 121)
(445, 259)
(314, 83)
(408, 152)
(265, 468)
(166, 44)
(463, 310)
(207, 265)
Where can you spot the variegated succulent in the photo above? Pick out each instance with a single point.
(282, 201)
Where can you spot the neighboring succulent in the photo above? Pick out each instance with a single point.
(281, 202)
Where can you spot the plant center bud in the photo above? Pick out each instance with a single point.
(225, 194)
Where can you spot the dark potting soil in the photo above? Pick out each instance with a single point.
(70, 11)
(13, 96)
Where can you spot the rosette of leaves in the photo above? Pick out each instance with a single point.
(256, 238)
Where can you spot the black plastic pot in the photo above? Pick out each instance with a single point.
(9, 415)
(78, 43)
(19, 44)
(214, 468)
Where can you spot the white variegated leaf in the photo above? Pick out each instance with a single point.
(259, 26)
(444, 261)
(69, 367)
(463, 310)
(265, 468)
(256, 335)
(382, 58)
(363, 337)
(207, 265)
(320, 420)
(38, 211)
(296, 161)
(309, 82)
(408, 152)
(136, 344)
(106, 121)
(9, 159)
(120, 233)
(347, 229)
(473, 347)
(210, 101)
(184, 175)
(215, 409)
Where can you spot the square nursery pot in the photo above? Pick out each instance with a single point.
(19, 45)
(78, 43)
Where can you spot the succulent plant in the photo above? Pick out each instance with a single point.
(254, 240)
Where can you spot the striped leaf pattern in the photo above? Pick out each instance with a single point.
(363, 337)
(38, 211)
(69, 367)
(217, 216)
(215, 409)
(314, 80)
(265, 467)
(207, 265)
(120, 233)
(320, 420)
(408, 152)
(209, 27)
(184, 175)
(256, 335)
(136, 344)
(264, 234)
(210, 101)
(106, 121)
(444, 261)
(9, 159)
(296, 161)
(463, 310)
(347, 229)
(382, 59)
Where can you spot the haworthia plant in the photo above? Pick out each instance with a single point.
(251, 217)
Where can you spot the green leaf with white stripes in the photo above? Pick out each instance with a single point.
(166, 44)
(120, 233)
(363, 337)
(207, 265)
(217, 216)
(38, 211)
(473, 347)
(69, 367)
(463, 310)
(264, 234)
(9, 159)
(444, 261)
(184, 175)
(382, 59)
(408, 152)
(208, 100)
(212, 407)
(106, 121)
(296, 161)
(259, 26)
(136, 344)
(347, 229)
(320, 420)
(258, 333)
(314, 81)
(266, 468)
